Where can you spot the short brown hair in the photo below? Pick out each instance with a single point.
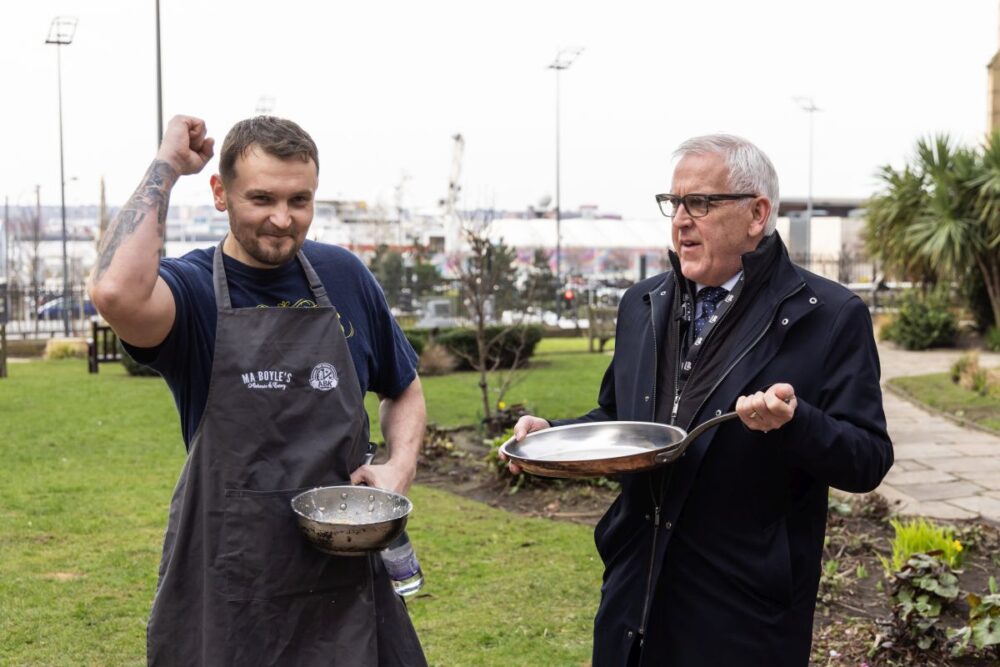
(279, 137)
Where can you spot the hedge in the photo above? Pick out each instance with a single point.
(510, 341)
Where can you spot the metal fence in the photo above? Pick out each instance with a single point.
(31, 313)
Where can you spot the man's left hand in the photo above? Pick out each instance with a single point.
(388, 475)
(767, 410)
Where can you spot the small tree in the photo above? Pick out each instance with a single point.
(387, 266)
(486, 273)
(541, 281)
(424, 275)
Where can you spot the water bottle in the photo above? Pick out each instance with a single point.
(402, 566)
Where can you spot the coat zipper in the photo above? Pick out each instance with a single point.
(652, 492)
(750, 347)
(649, 573)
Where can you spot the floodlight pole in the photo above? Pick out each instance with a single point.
(61, 32)
(159, 117)
(564, 58)
(159, 83)
(807, 105)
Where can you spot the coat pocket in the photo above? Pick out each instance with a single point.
(771, 575)
(617, 531)
(264, 556)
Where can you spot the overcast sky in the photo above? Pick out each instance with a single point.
(382, 87)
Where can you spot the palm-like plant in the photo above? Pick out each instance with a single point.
(939, 217)
(987, 186)
(889, 214)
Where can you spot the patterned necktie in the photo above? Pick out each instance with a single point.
(709, 298)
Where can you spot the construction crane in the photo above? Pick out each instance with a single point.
(451, 201)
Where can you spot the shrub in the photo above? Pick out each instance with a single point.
(65, 348)
(972, 290)
(992, 339)
(132, 366)
(437, 360)
(509, 343)
(922, 322)
(962, 366)
(417, 340)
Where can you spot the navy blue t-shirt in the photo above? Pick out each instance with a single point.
(384, 360)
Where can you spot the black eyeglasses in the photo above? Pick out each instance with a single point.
(696, 205)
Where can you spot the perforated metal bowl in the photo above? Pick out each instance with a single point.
(351, 520)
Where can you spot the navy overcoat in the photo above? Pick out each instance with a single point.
(715, 560)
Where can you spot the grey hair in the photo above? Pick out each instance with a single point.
(750, 170)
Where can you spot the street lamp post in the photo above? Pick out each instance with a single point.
(807, 105)
(564, 58)
(159, 82)
(61, 32)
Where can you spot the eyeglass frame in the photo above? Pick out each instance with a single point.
(682, 201)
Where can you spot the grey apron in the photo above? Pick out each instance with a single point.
(238, 584)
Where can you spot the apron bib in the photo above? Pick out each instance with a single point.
(238, 584)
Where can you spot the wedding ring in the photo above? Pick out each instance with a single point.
(754, 415)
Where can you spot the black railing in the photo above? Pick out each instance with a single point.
(39, 314)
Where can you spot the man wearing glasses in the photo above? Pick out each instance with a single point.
(715, 559)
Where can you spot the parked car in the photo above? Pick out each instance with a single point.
(53, 310)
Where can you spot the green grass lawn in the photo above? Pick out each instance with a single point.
(563, 381)
(939, 392)
(89, 466)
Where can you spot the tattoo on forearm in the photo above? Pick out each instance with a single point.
(152, 194)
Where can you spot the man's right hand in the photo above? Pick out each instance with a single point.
(525, 425)
(185, 146)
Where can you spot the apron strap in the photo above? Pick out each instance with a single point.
(315, 284)
(221, 285)
(219, 280)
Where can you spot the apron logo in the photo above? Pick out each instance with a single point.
(324, 377)
(266, 379)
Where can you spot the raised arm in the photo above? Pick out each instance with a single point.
(125, 285)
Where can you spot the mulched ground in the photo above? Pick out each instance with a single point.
(853, 610)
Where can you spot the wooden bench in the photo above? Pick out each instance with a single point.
(102, 346)
(602, 326)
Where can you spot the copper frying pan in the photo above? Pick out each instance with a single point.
(593, 449)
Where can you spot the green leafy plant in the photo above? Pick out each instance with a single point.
(983, 627)
(831, 580)
(923, 321)
(920, 536)
(500, 467)
(963, 365)
(919, 591)
(839, 505)
(991, 341)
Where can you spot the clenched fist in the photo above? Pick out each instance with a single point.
(185, 147)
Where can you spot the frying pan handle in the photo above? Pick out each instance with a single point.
(714, 421)
(704, 426)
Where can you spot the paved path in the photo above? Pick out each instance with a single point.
(942, 470)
